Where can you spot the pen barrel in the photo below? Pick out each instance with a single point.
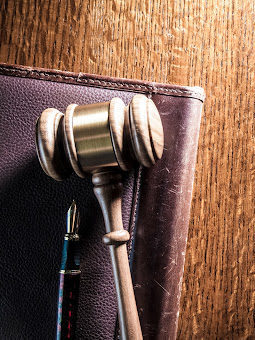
(69, 283)
(67, 304)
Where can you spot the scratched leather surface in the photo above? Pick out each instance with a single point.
(162, 225)
(33, 209)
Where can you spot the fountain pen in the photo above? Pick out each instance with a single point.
(69, 278)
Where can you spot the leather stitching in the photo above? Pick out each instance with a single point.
(134, 211)
(90, 80)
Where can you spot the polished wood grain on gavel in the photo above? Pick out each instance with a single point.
(103, 139)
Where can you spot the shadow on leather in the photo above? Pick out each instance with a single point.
(33, 222)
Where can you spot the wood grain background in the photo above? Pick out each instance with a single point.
(206, 43)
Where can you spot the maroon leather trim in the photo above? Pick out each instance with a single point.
(163, 219)
(102, 81)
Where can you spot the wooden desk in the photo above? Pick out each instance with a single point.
(206, 43)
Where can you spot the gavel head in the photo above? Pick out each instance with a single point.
(89, 138)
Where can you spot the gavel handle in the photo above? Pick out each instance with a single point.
(108, 190)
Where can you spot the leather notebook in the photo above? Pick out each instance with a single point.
(156, 204)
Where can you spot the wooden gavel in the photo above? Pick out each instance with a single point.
(102, 139)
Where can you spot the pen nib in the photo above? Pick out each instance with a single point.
(73, 219)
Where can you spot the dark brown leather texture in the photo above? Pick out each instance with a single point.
(156, 204)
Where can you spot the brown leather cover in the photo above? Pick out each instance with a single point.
(156, 206)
